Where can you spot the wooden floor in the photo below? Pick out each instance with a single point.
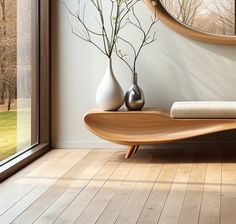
(99, 186)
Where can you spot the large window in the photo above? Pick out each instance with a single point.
(24, 79)
(18, 75)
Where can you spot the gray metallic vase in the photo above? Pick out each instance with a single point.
(134, 97)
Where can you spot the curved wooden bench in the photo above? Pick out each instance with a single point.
(134, 128)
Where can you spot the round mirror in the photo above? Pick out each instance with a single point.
(210, 16)
(206, 20)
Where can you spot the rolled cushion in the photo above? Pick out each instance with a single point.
(203, 109)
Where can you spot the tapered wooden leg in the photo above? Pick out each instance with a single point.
(136, 149)
(130, 151)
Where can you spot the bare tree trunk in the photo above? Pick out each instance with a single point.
(2, 93)
(3, 58)
(9, 100)
(3, 5)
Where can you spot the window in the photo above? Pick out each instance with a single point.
(24, 82)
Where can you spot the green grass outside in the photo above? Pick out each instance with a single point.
(7, 134)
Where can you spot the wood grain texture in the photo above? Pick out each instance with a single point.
(172, 208)
(97, 171)
(59, 187)
(130, 151)
(150, 126)
(210, 211)
(100, 186)
(95, 208)
(134, 206)
(167, 19)
(152, 210)
(193, 197)
(17, 195)
(44, 76)
(228, 192)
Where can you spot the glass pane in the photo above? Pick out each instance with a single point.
(18, 62)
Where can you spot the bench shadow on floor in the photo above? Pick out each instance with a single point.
(199, 154)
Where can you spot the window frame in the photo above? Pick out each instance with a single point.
(44, 129)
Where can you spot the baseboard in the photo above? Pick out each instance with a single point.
(173, 145)
(86, 145)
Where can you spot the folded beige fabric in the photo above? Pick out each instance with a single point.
(204, 109)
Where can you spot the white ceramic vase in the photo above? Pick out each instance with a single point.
(109, 95)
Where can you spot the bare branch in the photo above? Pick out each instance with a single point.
(122, 57)
(147, 38)
(86, 37)
(108, 34)
(81, 20)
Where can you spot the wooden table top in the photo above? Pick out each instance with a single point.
(150, 126)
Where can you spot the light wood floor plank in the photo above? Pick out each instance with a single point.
(33, 166)
(140, 194)
(93, 211)
(16, 180)
(83, 199)
(93, 159)
(228, 194)
(45, 175)
(100, 186)
(193, 197)
(88, 193)
(117, 203)
(41, 183)
(210, 208)
(174, 202)
(51, 214)
(156, 201)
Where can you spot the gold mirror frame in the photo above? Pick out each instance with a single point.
(184, 30)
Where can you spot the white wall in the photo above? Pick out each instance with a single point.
(173, 68)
